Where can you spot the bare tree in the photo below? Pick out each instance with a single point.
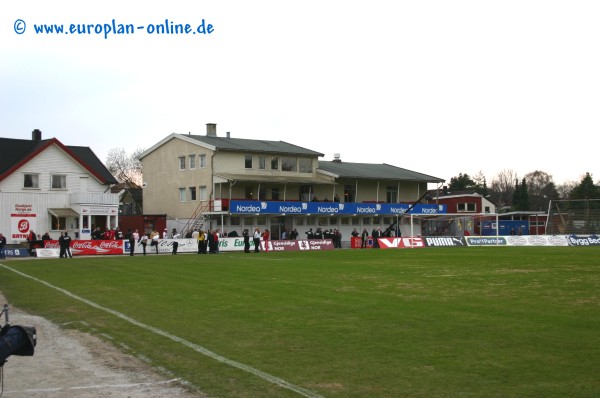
(127, 169)
(564, 189)
(541, 189)
(503, 187)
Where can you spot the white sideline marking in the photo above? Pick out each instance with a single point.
(263, 375)
(38, 390)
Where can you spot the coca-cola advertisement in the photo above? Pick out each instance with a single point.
(90, 247)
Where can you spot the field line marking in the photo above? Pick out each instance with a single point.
(95, 387)
(259, 373)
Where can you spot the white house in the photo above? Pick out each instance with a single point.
(46, 186)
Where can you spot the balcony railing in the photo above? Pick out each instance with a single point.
(95, 198)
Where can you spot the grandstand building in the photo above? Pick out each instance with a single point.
(221, 182)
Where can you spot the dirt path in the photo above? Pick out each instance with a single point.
(70, 364)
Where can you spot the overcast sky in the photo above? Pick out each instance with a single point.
(438, 87)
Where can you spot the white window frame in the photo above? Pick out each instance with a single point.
(182, 194)
(193, 196)
(203, 193)
(35, 180)
(202, 161)
(61, 178)
(192, 161)
(181, 163)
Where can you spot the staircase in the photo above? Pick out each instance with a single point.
(197, 220)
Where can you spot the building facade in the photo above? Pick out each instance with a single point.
(197, 179)
(46, 186)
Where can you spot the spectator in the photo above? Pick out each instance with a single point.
(2, 246)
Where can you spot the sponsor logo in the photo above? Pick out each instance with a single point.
(536, 240)
(365, 210)
(327, 209)
(81, 245)
(558, 240)
(393, 243)
(517, 241)
(486, 241)
(398, 210)
(23, 226)
(247, 209)
(591, 240)
(290, 209)
(444, 241)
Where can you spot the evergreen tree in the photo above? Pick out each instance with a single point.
(521, 196)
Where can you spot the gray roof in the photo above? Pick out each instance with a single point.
(246, 145)
(374, 171)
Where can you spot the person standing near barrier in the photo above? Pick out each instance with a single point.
(265, 235)
(2, 246)
(154, 237)
(67, 244)
(256, 239)
(144, 241)
(133, 239)
(246, 236)
(364, 237)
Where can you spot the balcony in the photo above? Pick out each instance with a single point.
(94, 198)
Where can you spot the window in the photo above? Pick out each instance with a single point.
(192, 162)
(202, 161)
(274, 193)
(248, 162)
(58, 223)
(465, 207)
(192, 193)
(203, 193)
(249, 193)
(275, 163)
(182, 194)
(392, 195)
(288, 164)
(182, 163)
(235, 221)
(59, 181)
(349, 193)
(306, 193)
(305, 165)
(31, 181)
(262, 162)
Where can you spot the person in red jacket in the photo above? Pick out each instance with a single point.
(265, 236)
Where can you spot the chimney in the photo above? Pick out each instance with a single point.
(36, 135)
(228, 134)
(211, 130)
(336, 158)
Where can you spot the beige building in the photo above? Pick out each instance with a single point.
(195, 178)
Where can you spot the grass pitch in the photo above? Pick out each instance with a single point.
(443, 322)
